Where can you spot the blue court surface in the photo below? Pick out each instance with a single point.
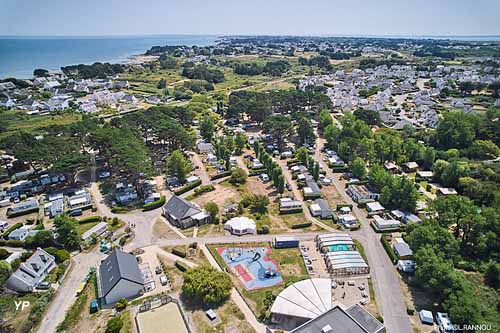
(252, 266)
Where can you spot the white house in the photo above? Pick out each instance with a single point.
(32, 272)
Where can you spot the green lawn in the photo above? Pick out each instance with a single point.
(82, 228)
(13, 121)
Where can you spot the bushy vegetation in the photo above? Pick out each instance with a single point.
(205, 284)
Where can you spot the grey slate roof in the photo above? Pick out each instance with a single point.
(353, 320)
(179, 208)
(326, 211)
(118, 265)
(403, 250)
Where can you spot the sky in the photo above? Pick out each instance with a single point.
(252, 17)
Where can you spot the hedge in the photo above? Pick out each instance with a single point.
(12, 228)
(155, 204)
(337, 169)
(221, 175)
(301, 225)
(389, 250)
(22, 212)
(181, 266)
(204, 189)
(179, 253)
(188, 187)
(90, 219)
(292, 162)
(257, 172)
(11, 243)
(118, 210)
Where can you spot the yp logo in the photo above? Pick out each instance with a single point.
(21, 305)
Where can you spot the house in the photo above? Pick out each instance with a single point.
(347, 220)
(360, 193)
(119, 277)
(32, 272)
(312, 190)
(88, 107)
(56, 208)
(402, 250)
(424, 175)
(81, 198)
(96, 230)
(442, 191)
(125, 193)
(374, 208)
(391, 167)
(20, 234)
(205, 147)
(410, 166)
(381, 224)
(6, 101)
(321, 208)
(288, 205)
(192, 179)
(241, 225)
(23, 208)
(407, 266)
(184, 214)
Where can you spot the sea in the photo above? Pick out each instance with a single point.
(19, 56)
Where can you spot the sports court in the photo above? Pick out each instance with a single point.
(158, 319)
(252, 266)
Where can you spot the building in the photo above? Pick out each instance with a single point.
(374, 208)
(410, 166)
(81, 198)
(241, 225)
(334, 242)
(426, 317)
(424, 175)
(391, 167)
(382, 224)
(347, 220)
(96, 230)
(24, 207)
(321, 208)
(32, 272)
(360, 193)
(312, 190)
(442, 191)
(205, 147)
(307, 307)
(345, 263)
(403, 250)
(281, 242)
(288, 205)
(354, 319)
(119, 277)
(56, 208)
(301, 302)
(184, 214)
(20, 234)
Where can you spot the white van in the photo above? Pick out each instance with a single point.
(444, 323)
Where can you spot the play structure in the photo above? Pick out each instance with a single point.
(252, 266)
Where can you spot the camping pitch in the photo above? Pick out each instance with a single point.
(252, 266)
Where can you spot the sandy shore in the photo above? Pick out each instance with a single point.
(140, 59)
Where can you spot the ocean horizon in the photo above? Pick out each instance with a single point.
(20, 55)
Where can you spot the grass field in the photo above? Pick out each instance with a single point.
(12, 121)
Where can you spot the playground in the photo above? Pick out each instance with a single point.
(252, 266)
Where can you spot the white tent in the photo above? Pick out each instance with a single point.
(241, 225)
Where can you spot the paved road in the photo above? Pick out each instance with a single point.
(202, 171)
(65, 295)
(386, 282)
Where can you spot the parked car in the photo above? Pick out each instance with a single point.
(163, 280)
(158, 270)
(44, 285)
(76, 212)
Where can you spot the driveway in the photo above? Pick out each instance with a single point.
(385, 279)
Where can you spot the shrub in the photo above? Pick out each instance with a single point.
(90, 219)
(118, 210)
(238, 176)
(155, 204)
(179, 252)
(221, 175)
(121, 304)
(115, 324)
(204, 189)
(4, 254)
(389, 250)
(301, 225)
(188, 187)
(263, 230)
(181, 266)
